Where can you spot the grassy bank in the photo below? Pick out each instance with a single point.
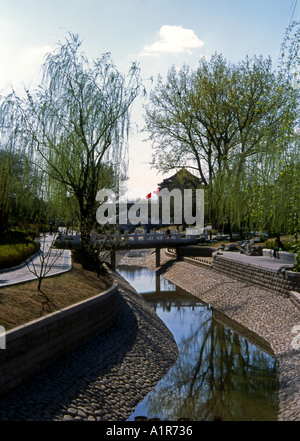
(22, 303)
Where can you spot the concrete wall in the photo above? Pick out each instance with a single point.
(33, 347)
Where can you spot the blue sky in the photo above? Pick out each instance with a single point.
(155, 33)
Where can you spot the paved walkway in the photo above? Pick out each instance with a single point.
(59, 261)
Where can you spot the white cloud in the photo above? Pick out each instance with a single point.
(173, 39)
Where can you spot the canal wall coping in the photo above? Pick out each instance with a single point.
(34, 346)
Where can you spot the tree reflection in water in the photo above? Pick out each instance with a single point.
(218, 374)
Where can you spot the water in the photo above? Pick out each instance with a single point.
(219, 375)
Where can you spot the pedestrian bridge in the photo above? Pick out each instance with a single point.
(136, 240)
(161, 240)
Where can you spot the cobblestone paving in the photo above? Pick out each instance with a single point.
(266, 313)
(105, 379)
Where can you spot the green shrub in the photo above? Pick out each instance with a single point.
(296, 250)
(270, 244)
(14, 254)
(288, 246)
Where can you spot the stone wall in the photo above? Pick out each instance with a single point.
(281, 282)
(34, 346)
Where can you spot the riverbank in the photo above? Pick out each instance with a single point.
(264, 313)
(105, 379)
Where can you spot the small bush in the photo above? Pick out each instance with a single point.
(287, 246)
(270, 244)
(296, 250)
(14, 254)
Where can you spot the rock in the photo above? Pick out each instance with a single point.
(81, 413)
(72, 411)
(68, 418)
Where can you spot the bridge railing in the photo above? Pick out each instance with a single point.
(157, 236)
(137, 237)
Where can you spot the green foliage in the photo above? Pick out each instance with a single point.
(296, 250)
(20, 188)
(232, 123)
(74, 127)
(10, 247)
(288, 246)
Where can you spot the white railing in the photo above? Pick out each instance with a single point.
(148, 237)
(134, 238)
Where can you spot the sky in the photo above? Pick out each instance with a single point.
(156, 34)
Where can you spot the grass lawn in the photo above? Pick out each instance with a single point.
(22, 303)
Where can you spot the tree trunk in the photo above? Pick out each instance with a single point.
(40, 283)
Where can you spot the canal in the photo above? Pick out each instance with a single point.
(219, 374)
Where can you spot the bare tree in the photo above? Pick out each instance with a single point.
(48, 255)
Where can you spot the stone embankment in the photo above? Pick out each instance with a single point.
(266, 313)
(36, 345)
(106, 378)
(282, 282)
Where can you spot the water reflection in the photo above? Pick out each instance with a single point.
(218, 374)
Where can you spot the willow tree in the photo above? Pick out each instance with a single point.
(75, 125)
(215, 119)
(290, 54)
(19, 190)
(288, 176)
